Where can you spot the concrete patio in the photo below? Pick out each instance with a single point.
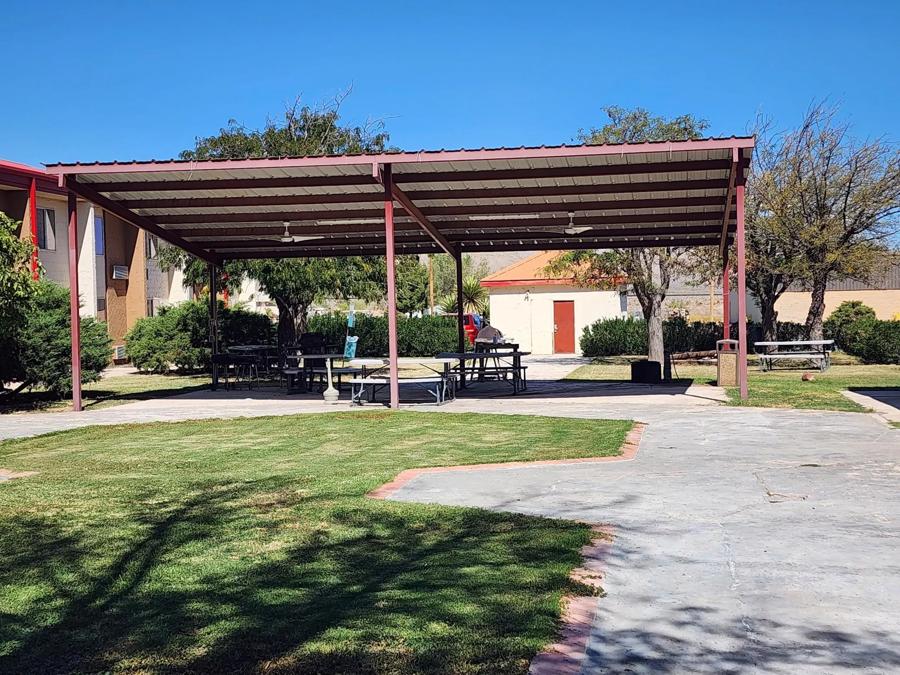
(746, 539)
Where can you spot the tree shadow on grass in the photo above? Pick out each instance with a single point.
(395, 591)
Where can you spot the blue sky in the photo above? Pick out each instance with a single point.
(137, 80)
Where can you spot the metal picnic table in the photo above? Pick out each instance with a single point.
(513, 356)
(795, 350)
(371, 367)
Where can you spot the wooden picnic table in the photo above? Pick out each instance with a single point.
(817, 351)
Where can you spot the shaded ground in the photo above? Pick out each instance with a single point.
(249, 545)
(108, 392)
(746, 540)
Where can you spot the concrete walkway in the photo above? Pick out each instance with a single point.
(746, 540)
(544, 389)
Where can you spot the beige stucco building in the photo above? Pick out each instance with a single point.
(118, 278)
(546, 315)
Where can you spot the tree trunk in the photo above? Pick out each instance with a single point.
(816, 308)
(769, 319)
(654, 315)
(287, 324)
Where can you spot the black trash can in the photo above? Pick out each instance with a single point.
(646, 372)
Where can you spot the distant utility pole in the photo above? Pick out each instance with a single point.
(430, 284)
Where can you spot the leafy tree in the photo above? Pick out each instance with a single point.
(412, 284)
(649, 270)
(834, 199)
(295, 284)
(16, 292)
(445, 272)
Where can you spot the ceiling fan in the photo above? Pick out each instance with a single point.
(575, 229)
(288, 238)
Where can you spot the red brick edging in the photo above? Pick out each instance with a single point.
(565, 656)
(628, 451)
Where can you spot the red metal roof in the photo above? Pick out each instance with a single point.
(527, 272)
(538, 198)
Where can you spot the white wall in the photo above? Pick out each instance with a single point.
(525, 313)
(56, 261)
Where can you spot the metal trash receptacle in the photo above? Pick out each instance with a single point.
(727, 363)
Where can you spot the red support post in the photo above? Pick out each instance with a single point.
(741, 293)
(726, 299)
(391, 284)
(73, 302)
(460, 330)
(32, 216)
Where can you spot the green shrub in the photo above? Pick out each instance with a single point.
(45, 342)
(847, 313)
(614, 337)
(619, 337)
(878, 341)
(241, 327)
(416, 336)
(179, 336)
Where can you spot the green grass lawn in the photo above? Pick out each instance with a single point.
(249, 545)
(110, 391)
(773, 389)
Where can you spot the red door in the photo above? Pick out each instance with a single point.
(563, 326)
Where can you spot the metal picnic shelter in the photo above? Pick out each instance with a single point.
(671, 193)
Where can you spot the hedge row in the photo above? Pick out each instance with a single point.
(416, 336)
(617, 337)
(178, 337)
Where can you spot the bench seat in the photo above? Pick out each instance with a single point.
(439, 386)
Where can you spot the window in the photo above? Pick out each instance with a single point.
(151, 246)
(46, 229)
(99, 236)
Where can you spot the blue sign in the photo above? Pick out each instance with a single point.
(350, 346)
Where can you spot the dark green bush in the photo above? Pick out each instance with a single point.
(837, 324)
(179, 336)
(613, 337)
(878, 341)
(45, 342)
(416, 336)
(619, 337)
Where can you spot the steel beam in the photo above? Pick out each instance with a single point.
(32, 216)
(481, 175)
(143, 222)
(391, 284)
(521, 244)
(438, 211)
(74, 301)
(445, 226)
(213, 321)
(726, 300)
(414, 212)
(662, 148)
(420, 195)
(726, 211)
(741, 292)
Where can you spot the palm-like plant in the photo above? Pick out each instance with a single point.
(474, 298)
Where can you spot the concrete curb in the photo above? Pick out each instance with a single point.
(566, 655)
